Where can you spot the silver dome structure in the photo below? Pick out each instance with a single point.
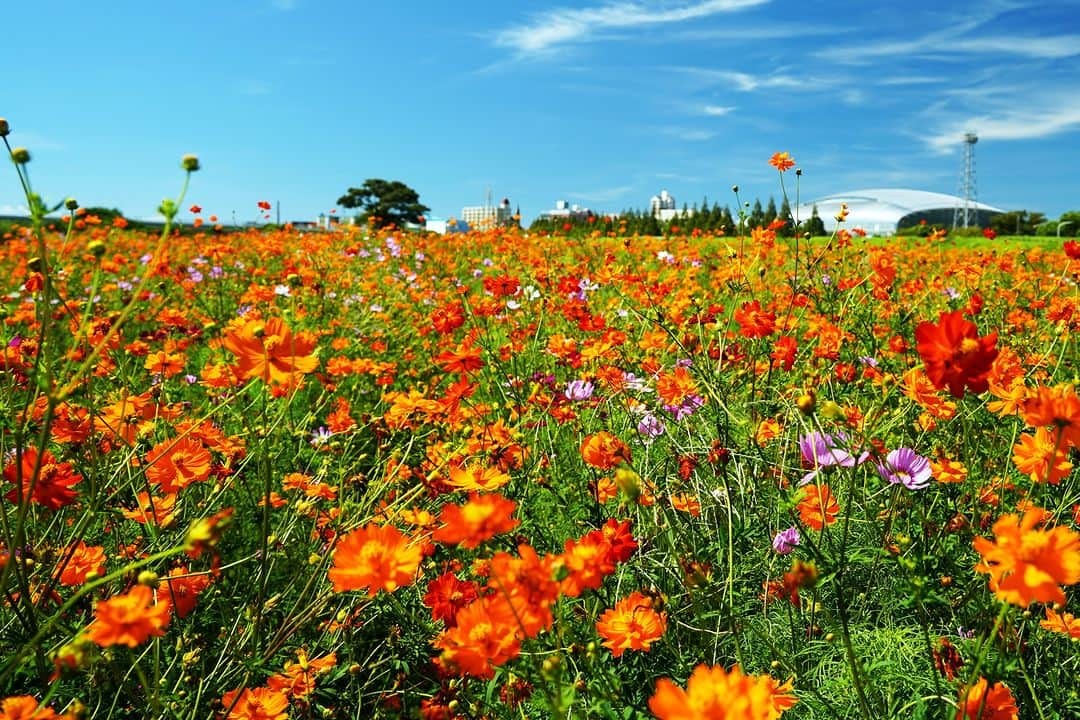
(883, 211)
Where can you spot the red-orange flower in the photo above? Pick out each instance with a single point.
(298, 679)
(985, 703)
(129, 619)
(1057, 408)
(375, 558)
(1065, 623)
(713, 693)
(755, 322)
(1041, 457)
(82, 561)
(258, 704)
(25, 707)
(52, 485)
(181, 590)
(174, 464)
(1028, 565)
(782, 161)
(486, 635)
(270, 351)
(633, 624)
(604, 451)
(481, 518)
(818, 507)
(954, 354)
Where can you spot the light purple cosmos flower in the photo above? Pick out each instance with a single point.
(786, 540)
(819, 450)
(688, 407)
(907, 468)
(651, 427)
(577, 390)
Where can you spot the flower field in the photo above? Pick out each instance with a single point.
(375, 474)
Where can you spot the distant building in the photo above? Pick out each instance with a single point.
(662, 207)
(484, 216)
(884, 211)
(435, 225)
(565, 211)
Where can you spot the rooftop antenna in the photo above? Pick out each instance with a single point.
(966, 211)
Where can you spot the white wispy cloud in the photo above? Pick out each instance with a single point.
(18, 210)
(1032, 121)
(546, 31)
(746, 82)
(717, 110)
(912, 80)
(1050, 47)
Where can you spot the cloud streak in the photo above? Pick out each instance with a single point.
(1031, 122)
(547, 31)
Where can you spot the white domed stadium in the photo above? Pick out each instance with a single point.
(883, 211)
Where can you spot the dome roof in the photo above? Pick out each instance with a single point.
(880, 210)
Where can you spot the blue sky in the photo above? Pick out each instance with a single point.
(599, 103)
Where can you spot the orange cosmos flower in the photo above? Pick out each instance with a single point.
(525, 585)
(1042, 457)
(1057, 408)
(713, 693)
(954, 354)
(1027, 565)
(46, 481)
(587, 560)
(485, 636)
(477, 477)
(181, 590)
(84, 560)
(174, 464)
(1065, 623)
(129, 619)
(25, 707)
(257, 704)
(481, 518)
(270, 351)
(375, 558)
(983, 703)
(782, 161)
(158, 511)
(633, 624)
(675, 387)
(165, 364)
(755, 322)
(818, 507)
(298, 680)
(604, 451)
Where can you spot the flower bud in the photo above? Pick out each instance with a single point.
(167, 208)
(71, 204)
(20, 156)
(96, 248)
(148, 578)
(190, 163)
(734, 188)
(5, 129)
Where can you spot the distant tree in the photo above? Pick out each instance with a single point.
(757, 216)
(1073, 228)
(815, 225)
(1017, 222)
(393, 202)
(789, 223)
(770, 211)
(727, 221)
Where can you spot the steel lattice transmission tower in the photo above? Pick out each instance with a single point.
(966, 210)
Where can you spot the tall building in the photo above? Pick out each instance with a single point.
(485, 216)
(565, 211)
(662, 207)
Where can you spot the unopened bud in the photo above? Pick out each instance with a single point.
(5, 129)
(149, 578)
(20, 156)
(71, 204)
(190, 163)
(96, 248)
